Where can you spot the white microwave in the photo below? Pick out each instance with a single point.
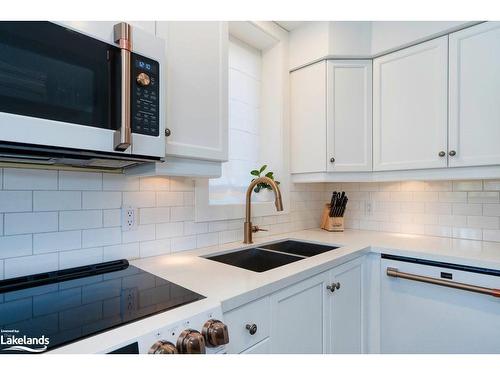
(87, 94)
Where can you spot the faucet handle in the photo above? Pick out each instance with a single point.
(255, 228)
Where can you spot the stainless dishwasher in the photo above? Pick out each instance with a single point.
(435, 307)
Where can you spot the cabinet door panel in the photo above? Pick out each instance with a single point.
(349, 129)
(197, 84)
(308, 119)
(410, 107)
(298, 318)
(474, 108)
(346, 318)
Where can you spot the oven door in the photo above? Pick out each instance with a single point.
(62, 88)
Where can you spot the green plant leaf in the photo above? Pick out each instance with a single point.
(257, 188)
(277, 182)
(270, 175)
(262, 169)
(255, 172)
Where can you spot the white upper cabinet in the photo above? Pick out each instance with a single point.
(197, 88)
(474, 102)
(349, 116)
(308, 119)
(410, 107)
(331, 117)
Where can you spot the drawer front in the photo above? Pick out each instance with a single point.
(256, 312)
(263, 347)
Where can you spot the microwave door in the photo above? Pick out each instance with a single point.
(59, 87)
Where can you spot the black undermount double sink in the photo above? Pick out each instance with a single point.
(266, 257)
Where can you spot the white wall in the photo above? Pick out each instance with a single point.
(56, 219)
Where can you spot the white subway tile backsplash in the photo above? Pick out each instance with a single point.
(452, 197)
(438, 208)
(156, 247)
(154, 215)
(167, 230)
(473, 185)
(16, 201)
(30, 222)
(438, 186)
(190, 228)
(142, 233)
(207, 239)
(467, 209)
(29, 179)
(491, 235)
(491, 209)
(83, 219)
(101, 200)
(165, 199)
(181, 184)
(483, 197)
(80, 181)
(119, 182)
(453, 220)
(21, 266)
(112, 218)
(16, 246)
(413, 186)
(57, 200)
(425, 196)
(121, 251)
(82, 257)
(467, 233)
(101, 237)
(491, 185)
(185, 213)
(154, 183)
(183, 243)
(139, 199)
(484, 222)
(56, 241)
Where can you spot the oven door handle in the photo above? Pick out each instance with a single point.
(122, 36)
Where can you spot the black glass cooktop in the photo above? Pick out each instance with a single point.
(44, 311)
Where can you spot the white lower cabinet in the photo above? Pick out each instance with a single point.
(322, 314)
(420, 317)
(299, 316)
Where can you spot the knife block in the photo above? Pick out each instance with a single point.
(331, 224)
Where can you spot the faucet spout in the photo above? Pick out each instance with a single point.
(278, 202)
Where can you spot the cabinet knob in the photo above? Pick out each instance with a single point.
(442, 154)
(332, 160)
(252, 328)
(452, 153)
(333, 286)
(167, 132)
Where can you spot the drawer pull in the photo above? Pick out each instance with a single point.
(393, 272)
(252, 328)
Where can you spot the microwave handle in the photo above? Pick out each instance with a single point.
(122, 36)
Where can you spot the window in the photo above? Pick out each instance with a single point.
(245, 78)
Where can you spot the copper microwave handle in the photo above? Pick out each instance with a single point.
(122, 36)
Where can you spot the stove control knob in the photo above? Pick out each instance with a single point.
(143, 79)
(215, 333)
(191, 341)
(163, 347)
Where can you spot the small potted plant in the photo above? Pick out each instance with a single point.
(263, 191)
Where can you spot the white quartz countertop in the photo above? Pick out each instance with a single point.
(233, 286)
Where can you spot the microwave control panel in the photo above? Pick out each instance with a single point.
(145, 96)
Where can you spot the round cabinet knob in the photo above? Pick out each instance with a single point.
(333, 287)
(191, 341)
(215, 333)
(452, 153)
(251, 328)
(167, 132)
(163, 347)
(442, 154)
(143, 79)
(332, 160)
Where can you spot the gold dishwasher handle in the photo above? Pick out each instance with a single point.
(393, 272)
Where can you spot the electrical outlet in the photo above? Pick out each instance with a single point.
(129, 218)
